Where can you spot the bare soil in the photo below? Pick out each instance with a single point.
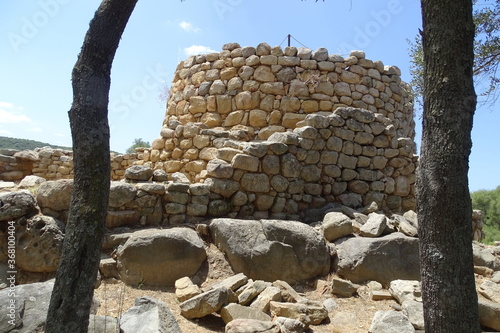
(354, 314)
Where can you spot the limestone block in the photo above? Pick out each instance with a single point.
(255, 182)
(245, 162)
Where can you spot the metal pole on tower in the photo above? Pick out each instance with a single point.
(289, 39)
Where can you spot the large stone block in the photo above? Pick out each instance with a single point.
(159, 257)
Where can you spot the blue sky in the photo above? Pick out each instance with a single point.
(42, 38)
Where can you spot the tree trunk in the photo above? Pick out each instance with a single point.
(76, 276)
(443, 200)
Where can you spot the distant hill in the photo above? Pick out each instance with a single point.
(24, 144)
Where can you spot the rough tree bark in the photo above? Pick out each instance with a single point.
(444, 206)
(76, 276)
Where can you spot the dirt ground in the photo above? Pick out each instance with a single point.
(354, 314)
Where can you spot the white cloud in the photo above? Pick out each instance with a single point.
(10, 114)
(5, 132)
(197, 49)
(188, 26)
(34, 129)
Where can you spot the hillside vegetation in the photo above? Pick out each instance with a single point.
(24, 144)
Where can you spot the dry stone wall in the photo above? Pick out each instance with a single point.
(53, 164)
(280, 130)
(268, 132)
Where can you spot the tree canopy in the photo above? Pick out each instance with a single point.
(486, 53)
(489, 203)
(137, 143)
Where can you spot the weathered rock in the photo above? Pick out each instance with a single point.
(108, 268)
(148, 315)
(374, 226)
(121, 193)
(55, 194)
(139, 172)
(390, 322)
(484, 257)
(288, 293)
(495, 277)
(103, 324)
(39, 244)
(232, 282)
(289, 325)
(29, 311)
(343, 288)
(415, 312)
(404, 290)
(265, 297)
(251, 326)
(406, 227)
(489, 315)
(363, 259)
(160, 175)
(186, 289)
(236, 311)
(310, 313)
(336, 225)
(205, 303)
(271, 250)
(16, 204)
(160, 257)
(251, 291)
(490, 290)
(31, 181)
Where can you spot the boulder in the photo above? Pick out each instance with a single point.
(390, 322)
(415, 312)
(148, 315)
(185, 289)
(490, 290)
(485, 257)
(309, 313)
(272, 250)
(489, 315)
(336, 225)
(108, 268)
(265, 297)
(28, 313)
(375, 225)
(39, 244)
(159, 257)
(343, 288)
(31, 181)
(251, 326)
(205, 303)
(288, 293)
(139, 172)
(234, 311)
(289, 325)
(121, 193)
(16, 204)
(232, 282)
(55, 194)
(251, 291)
(103, 324)
(361, 259)
(404, 290)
